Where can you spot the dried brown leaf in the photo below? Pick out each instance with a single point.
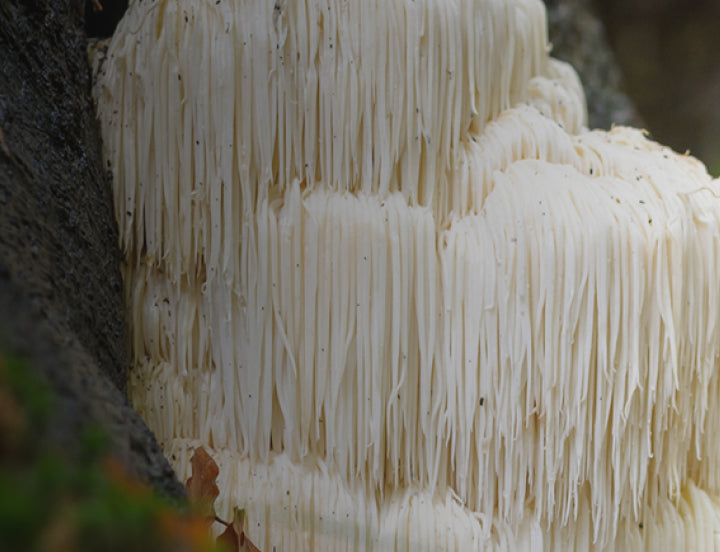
(202, 489)
(234, 537)
(229, 539)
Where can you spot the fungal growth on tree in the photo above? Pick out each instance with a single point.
(376, 263)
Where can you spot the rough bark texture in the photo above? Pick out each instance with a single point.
(60, 283)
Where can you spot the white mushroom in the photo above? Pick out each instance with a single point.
(376, 262)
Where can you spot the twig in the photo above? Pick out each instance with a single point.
(225, 523)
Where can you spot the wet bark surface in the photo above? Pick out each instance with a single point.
(60, 283)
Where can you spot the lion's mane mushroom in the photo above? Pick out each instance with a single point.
(375, 261)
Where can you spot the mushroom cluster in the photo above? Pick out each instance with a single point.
(377, 264)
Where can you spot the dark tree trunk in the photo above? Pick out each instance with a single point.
(60, 283)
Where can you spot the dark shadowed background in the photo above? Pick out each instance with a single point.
(669, 52)
(667, 59)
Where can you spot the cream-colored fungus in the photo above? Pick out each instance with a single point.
(377, 264)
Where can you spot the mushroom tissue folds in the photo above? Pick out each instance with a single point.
(378, 266)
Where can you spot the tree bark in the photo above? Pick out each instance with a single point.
(60, 284)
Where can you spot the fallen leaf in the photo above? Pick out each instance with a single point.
(202, 489)
(229, 539)
(234, 537)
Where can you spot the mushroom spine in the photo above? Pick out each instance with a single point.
(375, 257)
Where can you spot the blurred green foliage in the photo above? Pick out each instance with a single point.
(50, 503)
